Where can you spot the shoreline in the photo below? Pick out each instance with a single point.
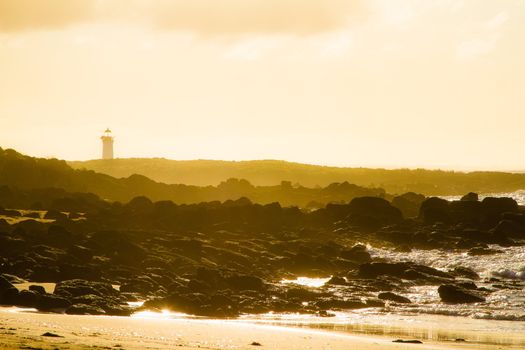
(25, 329)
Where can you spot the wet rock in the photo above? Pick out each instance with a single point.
(53, 335)
(324, 313)
(37, 288)
(509, 228)
(333, 303)
(27, 298)
(373, 302)
(302, 293)
(50, 302)
(78, 287)
(9, 212)
(357, 253)
(494, 207)
(83, 309)
(408, 203)
(245, 282)
(7, 291)
(55, 215)
(470, 197)
(410, 341)
(465, 272)
(337, 281)
(59, 236)
(466, 212)
(81, 253)
(218, 305)
(13, 278)
(44, 273)
(403, 270)
(457, 295)
(435, 210)
(142, 284)
(393, 297)
(9, 296)
(372, 213)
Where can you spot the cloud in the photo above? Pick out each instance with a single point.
(497, 21)
(19, 15)
(471, 49)
(252, 49)
(212, 17)
(205, 17)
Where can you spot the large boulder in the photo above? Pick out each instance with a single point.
(358, 253)
(466, 212)
(245, 282)
(78, 287)
(457, 295)
(409, 203)
(27, 298)
(494, 208)
(7, 291)
(50, 302)
(394, 297)
(83, 309)
(470, 197)
(434, 210)
(372, 213)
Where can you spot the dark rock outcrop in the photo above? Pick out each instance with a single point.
(457, 295)
(393, 297)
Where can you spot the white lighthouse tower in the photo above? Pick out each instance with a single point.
(107, 144)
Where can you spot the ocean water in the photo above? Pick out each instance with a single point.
(499, 322)
(508, 266)
(519, 196)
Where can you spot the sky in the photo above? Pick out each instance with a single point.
(377, 83)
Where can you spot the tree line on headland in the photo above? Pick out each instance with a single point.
(28, 180)
(272, 172)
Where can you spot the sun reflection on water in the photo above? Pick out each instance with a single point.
(307, 281)
(163, 314)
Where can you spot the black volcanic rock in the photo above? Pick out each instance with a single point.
(372, 212)
(405, 270)
(435, 210)
(55, 215)
(83, 309)
(78, 287)
(457, 295)
(37, 288)
(50, 302)
(470, 197)
(357, 253)
(27, 298)
(465, 272)
(244, 282)
(393, 297)
(409, 203)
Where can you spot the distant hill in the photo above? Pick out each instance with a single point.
(20, 172)
(272, 172)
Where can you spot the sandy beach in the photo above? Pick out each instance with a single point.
(24, 330)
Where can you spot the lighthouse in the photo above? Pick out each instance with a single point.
(107, 144)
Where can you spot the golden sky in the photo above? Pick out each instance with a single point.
(382, 83)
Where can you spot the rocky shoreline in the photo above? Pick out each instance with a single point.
(226, 259)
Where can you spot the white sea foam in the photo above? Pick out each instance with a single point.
(506, 300)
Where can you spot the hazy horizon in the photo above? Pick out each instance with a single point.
(303, 163)
(381, 84)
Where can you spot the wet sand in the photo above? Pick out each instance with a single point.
(25, 329)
